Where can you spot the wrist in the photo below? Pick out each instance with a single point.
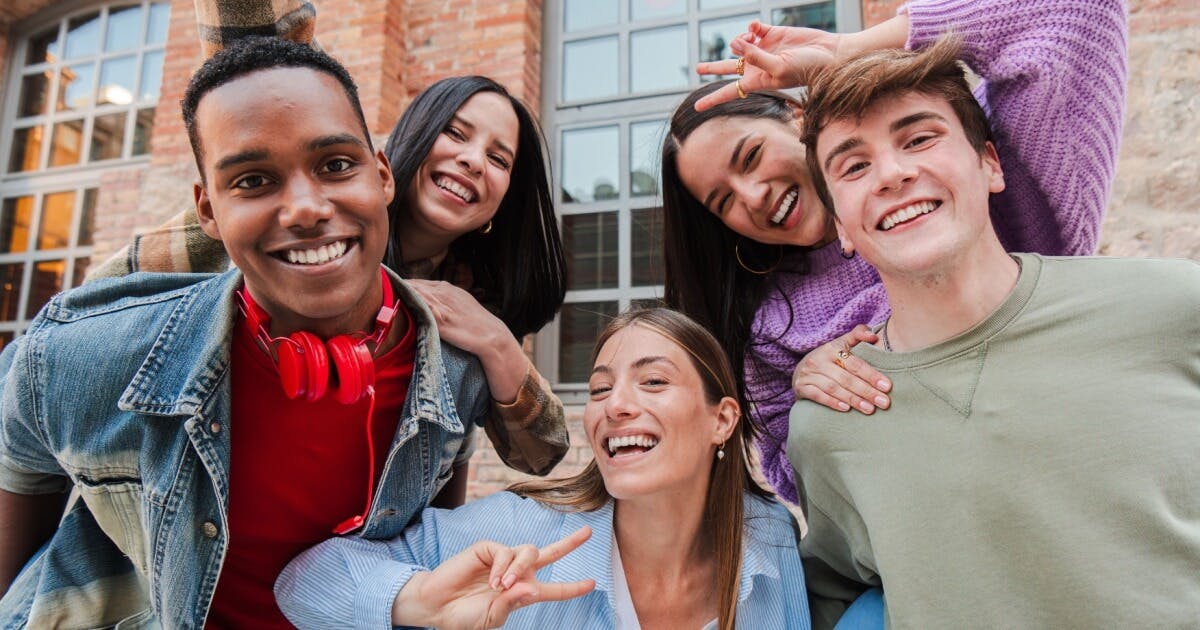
(409, 607)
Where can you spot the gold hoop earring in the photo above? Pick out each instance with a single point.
(486, 229)
(758, 272)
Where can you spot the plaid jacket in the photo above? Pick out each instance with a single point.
(529, 434)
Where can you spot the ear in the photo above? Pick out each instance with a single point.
(728, 414)
(991, 160)
(385, 173)
(204, 211)
(847, 244)
(797, 121)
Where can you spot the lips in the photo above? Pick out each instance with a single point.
(907, 213)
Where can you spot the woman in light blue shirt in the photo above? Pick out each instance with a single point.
(682, 536)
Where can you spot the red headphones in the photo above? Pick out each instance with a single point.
(304, 361)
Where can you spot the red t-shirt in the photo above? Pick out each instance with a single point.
(297, 469)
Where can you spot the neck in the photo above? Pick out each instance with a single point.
(660, 535)
(931, 307)
(417, 245)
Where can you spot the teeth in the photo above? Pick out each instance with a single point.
(317, 255)
(460, 191)
(788, 201)
(907, 213)
(644, 441)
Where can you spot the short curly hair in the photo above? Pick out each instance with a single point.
(253, 54)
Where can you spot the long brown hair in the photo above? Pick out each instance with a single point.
(729, 480)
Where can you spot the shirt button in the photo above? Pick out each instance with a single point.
(215, 427)
(209, 529)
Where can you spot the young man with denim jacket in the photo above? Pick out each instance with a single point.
(147, 393)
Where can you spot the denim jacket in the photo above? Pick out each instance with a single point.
(122, 389)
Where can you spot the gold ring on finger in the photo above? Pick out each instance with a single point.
(741, 66)
(740, 91)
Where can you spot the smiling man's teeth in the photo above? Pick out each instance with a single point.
(907, 213)
(644, 441)
(316, 256)
(789, 200)
(455, 188)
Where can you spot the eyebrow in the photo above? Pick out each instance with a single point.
(334, 139)
(640, 363)
(897, 125)
(503, 147)
(258, 155)
(845, 146)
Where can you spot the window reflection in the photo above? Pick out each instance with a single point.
(80, 270)
(579, 324)
(822, 15)
(35, 92)
(143, 127)
(26, 149)
(66, 145)
(590, 164)
(580, 15)
(160, 16)
(590, 69)
(108, 133)
(87, 217)
(590, 241)
(124, 28)
(650, 9)
(116, 81)
(717, 4)
(152, 69)
(16, 218)
(646, 257)
(10, 282)
(54, 230)
(645, 146)
(75, 86)
(43, 47)
(658, 59)
(715, 36)
(83, 36)
(47, 280)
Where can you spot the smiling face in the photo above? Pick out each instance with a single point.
(297, 196)
(647, 419)
(463, 179)
(911, 192)
(751, 173)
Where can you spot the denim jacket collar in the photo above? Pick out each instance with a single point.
(171, 383)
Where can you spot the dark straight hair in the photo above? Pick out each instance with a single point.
(703, 277)
(518, 268)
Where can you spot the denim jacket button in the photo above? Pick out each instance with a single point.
(209, 529)
(215, 427)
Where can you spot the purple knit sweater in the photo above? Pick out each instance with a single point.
(1054, 76)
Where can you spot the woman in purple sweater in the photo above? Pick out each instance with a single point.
(752, 253)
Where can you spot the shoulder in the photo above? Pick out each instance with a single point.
(503, 517)
(131, 292)
(1173, 280)
(769, 522)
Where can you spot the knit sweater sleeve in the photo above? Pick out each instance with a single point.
(1054, 76)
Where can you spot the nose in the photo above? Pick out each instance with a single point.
(893, 171)
(305, 205)
(621, 403)
(471, 158)
(754, 194)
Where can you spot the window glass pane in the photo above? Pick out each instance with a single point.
(822, 15)
(83, 36)
(6, 338)
(717, 4)
(108, 132)
(590, 69)
(16, 218)
(590, 162)
(75, 86)
(715, 36)
(143, 127)
(658, 59)
(35, 93)
(124, 28)
(43, 46)
(87, 220)
(81, 268)
(26, 149)
(584, 14)
(646, 261)
(579, 324)
(160, 15)
(10, 281)
(46, 281)
(67, 143)
(116, 81)
(152, 66)
(645, 146)
(590, 242)
(650, 9)
(54, 232)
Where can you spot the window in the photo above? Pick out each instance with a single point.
(79, 102)
(614, 72)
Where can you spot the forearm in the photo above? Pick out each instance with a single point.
(26, 523)
(530, 434)
(891, 33)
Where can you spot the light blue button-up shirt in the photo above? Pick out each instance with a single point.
(350, 582)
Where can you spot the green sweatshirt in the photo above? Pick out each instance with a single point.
(1041, 470)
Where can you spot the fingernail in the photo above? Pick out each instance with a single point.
(881, 401)
(843, 406)
(866, 406)
(883, 384)
(509, 580)
(495, 584)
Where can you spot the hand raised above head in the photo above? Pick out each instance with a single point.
(482, 585)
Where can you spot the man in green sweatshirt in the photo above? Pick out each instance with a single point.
(1040, 464)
